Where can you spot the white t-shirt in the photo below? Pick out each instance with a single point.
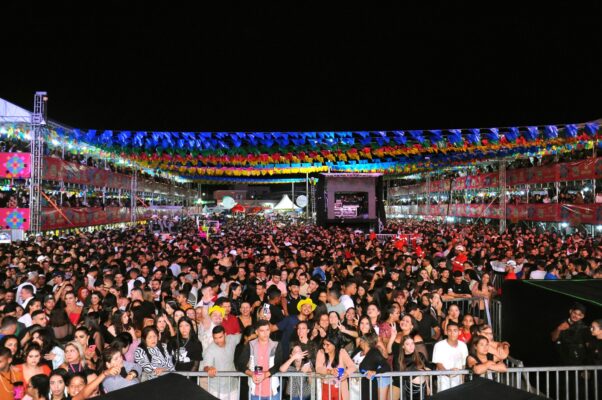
(537, 274)
(450, 357)
(347, 301)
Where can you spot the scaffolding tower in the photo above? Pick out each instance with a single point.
(38, 127)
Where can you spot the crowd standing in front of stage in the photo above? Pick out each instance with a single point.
(97, 312)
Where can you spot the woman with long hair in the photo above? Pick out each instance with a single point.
(235, 296)
(95, 303)
(74, 311)
(38, 387)
(12, 343)
(120, 322)
(152, 356)
(409, 359)
(129, 373)
(91, 321)
(485, 291)
(245, 318)
(299, 387)
(373, 312)
(465, 329)
(408, 326)
(185, 347)
(52, 354)
(481, 361)
(75, 360)
(391, 317)
(62, 327)
(334, 362)
(32, 364)
(165, 329)
(91, 351)
(58, 386)
(372, 363)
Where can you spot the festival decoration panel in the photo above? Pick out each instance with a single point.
(15, 165)
(14, 218)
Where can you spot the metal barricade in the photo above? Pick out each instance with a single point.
(561, 383)
(491, 314)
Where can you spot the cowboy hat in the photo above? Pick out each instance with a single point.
(304, 302)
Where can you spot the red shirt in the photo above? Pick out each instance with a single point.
(231, 325)
(458, 262)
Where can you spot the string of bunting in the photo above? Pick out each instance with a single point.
(265, 154)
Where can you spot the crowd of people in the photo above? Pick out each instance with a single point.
(96, 312)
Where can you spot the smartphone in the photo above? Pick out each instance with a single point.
(258, 370)
(266, 309)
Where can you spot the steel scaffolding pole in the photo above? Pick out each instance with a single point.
(307, 195)
(38, 125)
(503, 196)
(133, 190)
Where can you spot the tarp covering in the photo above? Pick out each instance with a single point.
(480, 388)
(170, 386)
(10, 112)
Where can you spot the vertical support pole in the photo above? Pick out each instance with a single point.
(133, 190)
(293, 192)
(428, 189)
(307, 195)
(38, 125)
(502, 185)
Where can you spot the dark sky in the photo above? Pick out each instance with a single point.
(129, 65)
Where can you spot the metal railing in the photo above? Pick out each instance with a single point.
(561, 383)
(490, 314)
(382, 237)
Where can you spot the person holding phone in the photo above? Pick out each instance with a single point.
(299, 388)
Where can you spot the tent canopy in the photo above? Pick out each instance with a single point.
(285, 204)
(10, 112)
(238, 209)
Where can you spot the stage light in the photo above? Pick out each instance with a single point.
(599, 227)
(564, 225)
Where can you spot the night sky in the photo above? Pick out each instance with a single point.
(291, 66)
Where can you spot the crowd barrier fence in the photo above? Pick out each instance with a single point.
(560, 383)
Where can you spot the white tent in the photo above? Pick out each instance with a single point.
(285, 204)
(10, 112)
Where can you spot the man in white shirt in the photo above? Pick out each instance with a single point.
(349, 291)
(450, 355)
(539, 273)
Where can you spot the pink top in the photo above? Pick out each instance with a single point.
(263, 360)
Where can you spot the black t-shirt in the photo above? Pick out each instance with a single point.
(291, 304)
(276, 315)
(424, 326)
(461, 288)
(188, 352)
